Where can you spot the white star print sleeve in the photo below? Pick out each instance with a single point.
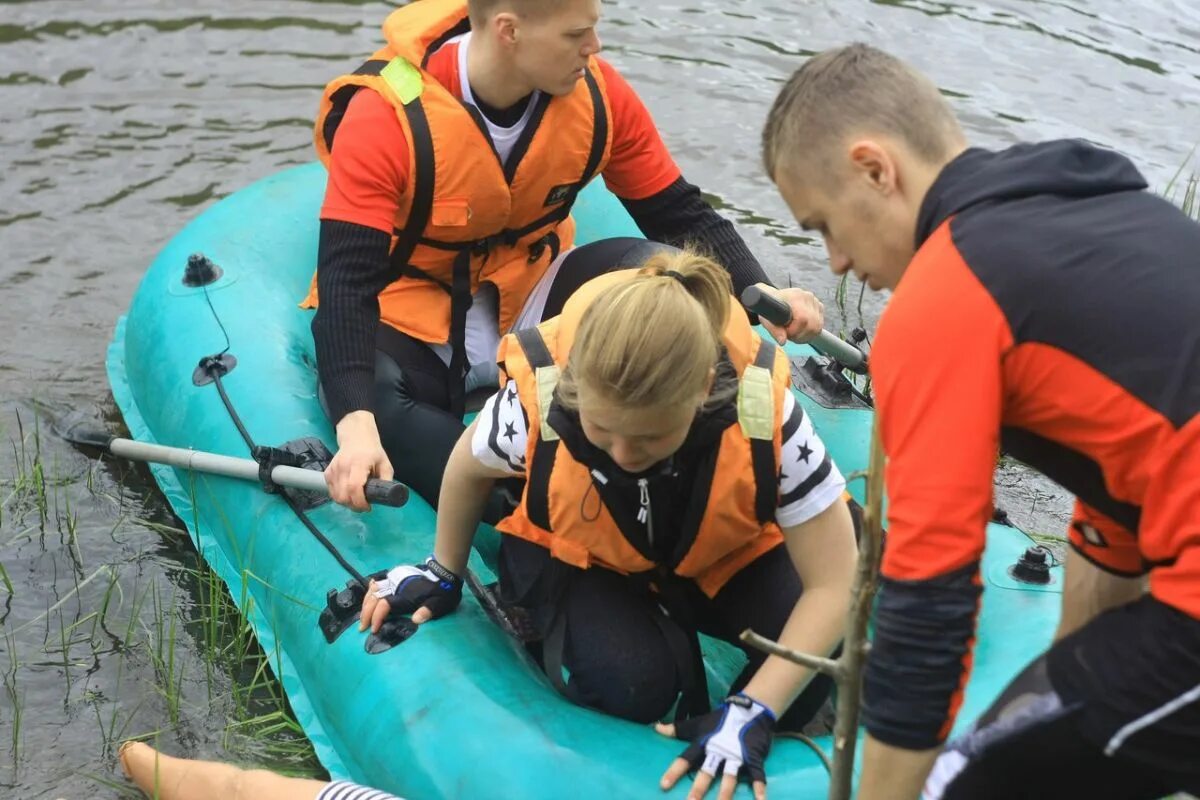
(809, 481)
(501, 431)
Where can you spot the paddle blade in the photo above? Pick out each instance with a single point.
(86, 435)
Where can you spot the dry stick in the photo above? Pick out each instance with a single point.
(847, 669)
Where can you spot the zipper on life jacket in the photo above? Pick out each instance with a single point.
(644, 516)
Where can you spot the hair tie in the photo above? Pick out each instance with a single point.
(670, 273)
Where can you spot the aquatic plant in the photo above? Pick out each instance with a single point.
(1185, 187)
(16, 699)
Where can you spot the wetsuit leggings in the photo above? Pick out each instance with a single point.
(411, 381)
(617, 655)
(1111, 711)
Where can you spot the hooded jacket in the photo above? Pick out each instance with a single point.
(1060, 300)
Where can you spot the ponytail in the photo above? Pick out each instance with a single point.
(653, 341)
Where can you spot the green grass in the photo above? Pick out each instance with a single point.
(1181, 189)
(1190, 203)
(167, 670)
(862, 382)
(145, 646)
(16, 699)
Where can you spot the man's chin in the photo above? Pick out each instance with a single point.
(563, 88)
(874, 282)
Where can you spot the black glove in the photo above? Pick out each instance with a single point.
(737, 734)
(430, 584)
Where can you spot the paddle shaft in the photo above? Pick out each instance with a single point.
(389, 493)
(772, 309)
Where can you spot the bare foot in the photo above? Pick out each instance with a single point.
(157, 775)
(164, 777)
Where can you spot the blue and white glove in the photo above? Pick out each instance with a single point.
(407, 588)
(732, 739)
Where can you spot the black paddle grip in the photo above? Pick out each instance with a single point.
(388, 493)
(767, 306)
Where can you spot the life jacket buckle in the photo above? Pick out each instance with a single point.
(538, 248)
(484, 246)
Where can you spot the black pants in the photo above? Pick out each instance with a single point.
(1110, 711)
(412, 384)
(619, 660)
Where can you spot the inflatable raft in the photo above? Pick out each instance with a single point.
(463, 710)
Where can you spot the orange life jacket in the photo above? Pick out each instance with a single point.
(466, 218)
(563, 507)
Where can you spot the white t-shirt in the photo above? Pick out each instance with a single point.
(483, 317)
(503, 138)
(809, 481)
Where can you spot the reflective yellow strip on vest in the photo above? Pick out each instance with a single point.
(404, 79)
(547, 379)
(756, 403)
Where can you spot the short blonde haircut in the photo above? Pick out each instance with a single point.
(853, 90)
(653, 341)
(481, 11)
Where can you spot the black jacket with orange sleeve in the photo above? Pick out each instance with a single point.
(1053, 311)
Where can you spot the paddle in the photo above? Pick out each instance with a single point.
(771, 308)
(388, 493)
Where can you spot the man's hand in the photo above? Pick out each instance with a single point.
(360, 456)
(808, 315)
(733, 739)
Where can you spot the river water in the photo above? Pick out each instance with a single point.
(122, 119)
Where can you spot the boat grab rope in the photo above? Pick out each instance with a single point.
(214, 366)
(808, 740)
(214, 369)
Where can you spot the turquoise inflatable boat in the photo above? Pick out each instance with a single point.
(467, 713)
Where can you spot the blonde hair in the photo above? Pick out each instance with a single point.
(852, 90)
(653, 341)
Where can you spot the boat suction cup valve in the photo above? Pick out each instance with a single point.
(200, 271)
(342, 607)
(391, 633)
(1033, 566)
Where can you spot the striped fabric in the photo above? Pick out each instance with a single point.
(344, 790)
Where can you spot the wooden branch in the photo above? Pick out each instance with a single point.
(854, 652)
(828, 666)
(847, 669)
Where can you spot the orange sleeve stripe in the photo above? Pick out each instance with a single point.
(1077, 405)
(1170, 531)
(1104, 542)
(936, 367)
(968, 664)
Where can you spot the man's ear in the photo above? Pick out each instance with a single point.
(506, 27)
(874, 164)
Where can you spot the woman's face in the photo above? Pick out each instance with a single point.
(635, 438)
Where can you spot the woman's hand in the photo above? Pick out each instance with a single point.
(426, 591)
(733, 739)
